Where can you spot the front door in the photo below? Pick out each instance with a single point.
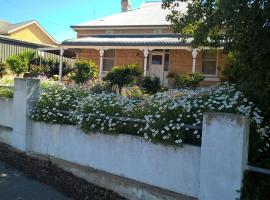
(156, 67)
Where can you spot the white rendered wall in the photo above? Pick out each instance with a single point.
(6, 110)
(224, 156)
(175, 169)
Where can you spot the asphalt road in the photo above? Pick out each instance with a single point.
(15, 186)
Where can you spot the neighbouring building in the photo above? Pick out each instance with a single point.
(143, 36)
(24, 36)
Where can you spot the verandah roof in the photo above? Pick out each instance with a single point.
(156, 40)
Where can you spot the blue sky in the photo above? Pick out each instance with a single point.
(56, 16)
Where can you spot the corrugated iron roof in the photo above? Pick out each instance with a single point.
(149, 14)
(130, 40)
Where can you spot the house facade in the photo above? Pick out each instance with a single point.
(143, 36)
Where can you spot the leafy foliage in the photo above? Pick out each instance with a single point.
(189, 81)
(6, 92)
(17, 64)
(84, 70)
(151, 85)
(2, 70)
(123, 76)
(243, 28)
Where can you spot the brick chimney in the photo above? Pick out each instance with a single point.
(126, 5)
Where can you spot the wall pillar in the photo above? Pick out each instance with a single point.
(24, 91)
(101, 54)
(194, 57)
(61, 64)
(224, 155)
(145, 53)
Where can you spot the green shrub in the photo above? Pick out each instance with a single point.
(36, 70)
(84, 70)
(98, 86)
(17, 64)
(151, 85)
(189, 81)
(6, 92)
(123, 76)
(133, 93)
(2, 70)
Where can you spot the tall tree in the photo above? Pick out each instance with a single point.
(242, 27)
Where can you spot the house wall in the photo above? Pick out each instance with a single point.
(180, 60)
(34, 34)
(85, 33)
(129, 56)
(122, 56)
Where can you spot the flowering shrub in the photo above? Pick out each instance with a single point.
(170, 117)
(57, 102)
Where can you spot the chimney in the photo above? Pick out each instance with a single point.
(126, 5)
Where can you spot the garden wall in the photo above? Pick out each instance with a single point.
(6, 110)
(175, 169)
(212, 171)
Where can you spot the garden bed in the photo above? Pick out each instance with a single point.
(48, 173)
(167, 118)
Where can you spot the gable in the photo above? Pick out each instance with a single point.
(33, 33)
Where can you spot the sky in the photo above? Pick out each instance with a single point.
(56, 16)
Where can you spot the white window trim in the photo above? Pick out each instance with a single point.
(214, 60)
(108, 58)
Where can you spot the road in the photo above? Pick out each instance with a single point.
(16, 186)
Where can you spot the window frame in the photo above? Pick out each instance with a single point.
(211, 60)
(108, 58)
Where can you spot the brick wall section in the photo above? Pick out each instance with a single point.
(180, 60)
(129, 56)
(122, 56)
(89, 54)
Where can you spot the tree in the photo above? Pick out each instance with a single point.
(242, 27)
(122, 76)
(83, 71)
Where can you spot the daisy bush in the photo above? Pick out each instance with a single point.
(172, 118)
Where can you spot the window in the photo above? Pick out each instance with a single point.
(157, 31)
(157, 59)
(108, 60)
(209, 62)
(109, 31)
(167, 60)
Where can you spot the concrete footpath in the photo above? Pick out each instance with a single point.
(15, 186)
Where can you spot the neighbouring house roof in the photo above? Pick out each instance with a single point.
(149, 14)
(154, 40)
(6, 28)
